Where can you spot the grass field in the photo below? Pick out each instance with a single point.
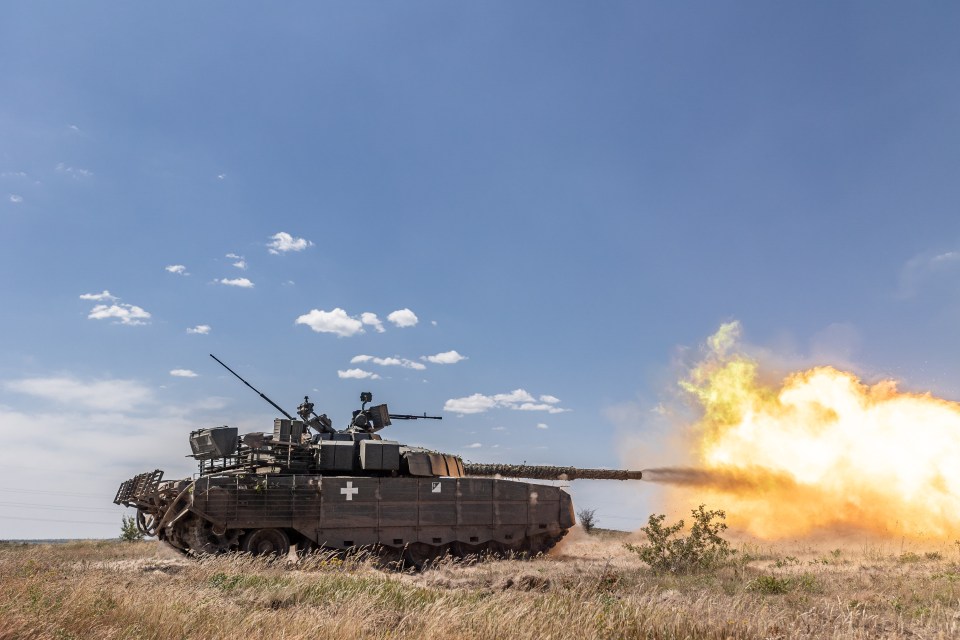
(589, 587)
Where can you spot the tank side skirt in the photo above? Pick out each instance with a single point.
(440, 513)
(393, 512)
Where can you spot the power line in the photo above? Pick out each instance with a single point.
(56, 507)
(58, 493)
(55, 520)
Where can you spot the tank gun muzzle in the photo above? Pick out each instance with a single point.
(545, 472)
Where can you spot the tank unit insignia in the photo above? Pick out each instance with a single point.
(350, 491)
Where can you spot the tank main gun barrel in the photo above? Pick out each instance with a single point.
(541, 472)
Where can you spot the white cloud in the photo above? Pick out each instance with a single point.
(515, 396)
(499, 429)
(221, 176)
(283, 242)
(336, 321)
(239, 261)
(98, 297)
(16, 199)
(542, 425)
(73, 172)
(100, 395)
(183, 373)
(13, 174)
(477, 403)
(517, 400)
(549, 399)
(236, 282)
(926, 267)
(475, 445)
(121, 312)
(389, 362)
(532, 406)
(200, 329)
(372, 320)
(116, 429)
(403, 318)
(946, 258)
(447, 357)
(359, 374)
(178, 269)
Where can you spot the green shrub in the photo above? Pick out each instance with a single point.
(770, 585)
(667, 551)
(587, 518)
(776, 585)
(129, 531)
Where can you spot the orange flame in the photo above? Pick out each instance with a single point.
(823, 450)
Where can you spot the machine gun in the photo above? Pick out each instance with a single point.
(377, 417)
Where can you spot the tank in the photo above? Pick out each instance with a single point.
(309, 485)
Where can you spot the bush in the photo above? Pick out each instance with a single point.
(587, 518)
(776, 585)
(770, 585)
(669, 552)
(129, 531)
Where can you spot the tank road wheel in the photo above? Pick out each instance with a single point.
(201, 537)
(544, 542)
(532, 546)
(261, 542)
(415, 555)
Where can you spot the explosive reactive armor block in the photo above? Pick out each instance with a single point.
(208, 444)
(336, 456)
(287, 430)
(379, 455)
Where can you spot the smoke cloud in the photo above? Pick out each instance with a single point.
(752, 480)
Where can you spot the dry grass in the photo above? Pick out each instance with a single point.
(590, 587)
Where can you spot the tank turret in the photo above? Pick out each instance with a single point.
(310, 485)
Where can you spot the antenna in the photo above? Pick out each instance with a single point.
(275, 405)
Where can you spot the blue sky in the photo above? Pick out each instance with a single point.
(569, 196)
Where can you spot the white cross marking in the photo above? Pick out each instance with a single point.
(350, 491)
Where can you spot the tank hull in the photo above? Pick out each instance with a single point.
(423, 517)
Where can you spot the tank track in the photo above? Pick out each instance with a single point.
(419, 555)
(196, 537)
